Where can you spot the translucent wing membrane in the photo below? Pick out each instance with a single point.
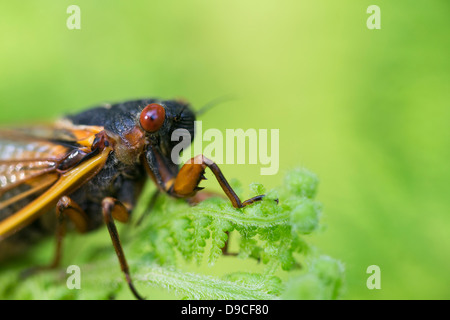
(63, 131)
(27, 167)
(14, 197)
(22, 159)
(30, 181)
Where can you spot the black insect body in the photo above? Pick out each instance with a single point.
(90, 168)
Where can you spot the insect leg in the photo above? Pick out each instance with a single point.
(190, 175)
(65, 208)
(114, 209)
(225, 248)
(150, 206)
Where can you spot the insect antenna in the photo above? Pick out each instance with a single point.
(213, 103)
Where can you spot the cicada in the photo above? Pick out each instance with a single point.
(90, 168)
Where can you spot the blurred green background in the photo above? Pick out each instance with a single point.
(367, 110)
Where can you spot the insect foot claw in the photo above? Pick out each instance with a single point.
(254, 199)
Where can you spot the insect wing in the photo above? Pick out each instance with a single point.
(29, 180)
(27, 165)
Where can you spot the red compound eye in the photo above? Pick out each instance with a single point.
(152, 117)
